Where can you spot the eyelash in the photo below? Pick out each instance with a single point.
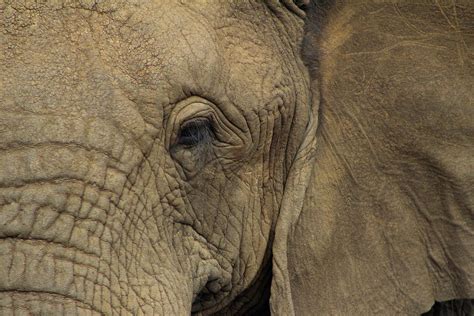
(195, 132)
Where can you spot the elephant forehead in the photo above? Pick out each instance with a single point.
(149, 38)
(97, 56)
(98, 62)
(45, 73)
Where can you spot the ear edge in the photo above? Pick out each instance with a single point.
(281, 301)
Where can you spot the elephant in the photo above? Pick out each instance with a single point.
(236, 157)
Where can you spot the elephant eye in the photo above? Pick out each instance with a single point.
(195, 132)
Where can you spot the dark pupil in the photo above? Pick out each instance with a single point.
(193, 133)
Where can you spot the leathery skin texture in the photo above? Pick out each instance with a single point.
(240, 157)
(102, 209)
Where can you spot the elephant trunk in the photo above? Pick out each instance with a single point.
(73, 234)
(47, 278)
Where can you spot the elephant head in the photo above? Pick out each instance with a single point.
(145, 147)
(176, 157)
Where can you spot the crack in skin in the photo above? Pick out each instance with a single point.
(46, 241)
(52, 295)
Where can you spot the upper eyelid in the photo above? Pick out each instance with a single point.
(183, 116)
(195, 108)
(196, 121)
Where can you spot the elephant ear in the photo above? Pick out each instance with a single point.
(377, 216)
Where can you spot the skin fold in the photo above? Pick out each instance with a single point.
(177, 157)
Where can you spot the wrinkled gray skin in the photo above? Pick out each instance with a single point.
(365, 208)
(101, 208)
